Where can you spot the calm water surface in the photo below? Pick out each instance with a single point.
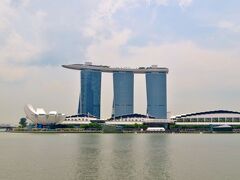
(119, 156)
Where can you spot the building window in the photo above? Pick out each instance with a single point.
(187, 120)
(228, 119)
(193, 119)
(208, 119)
(236, 119)
(200, 119)
(221, 119)
(214, 119)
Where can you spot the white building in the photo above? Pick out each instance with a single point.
(39, 116)
(136, 119)
(79, 119)
(123, 120)
(208, 117)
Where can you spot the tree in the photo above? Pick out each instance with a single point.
(136, 126)
(23, 122)
(91, 126)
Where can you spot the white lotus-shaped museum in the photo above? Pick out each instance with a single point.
(39, 116)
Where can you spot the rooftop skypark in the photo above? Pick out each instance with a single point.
(102, 68)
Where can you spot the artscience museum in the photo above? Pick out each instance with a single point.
(40, 117)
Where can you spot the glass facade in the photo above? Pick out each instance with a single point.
(156, 84)
(123, 83)
(90, 96)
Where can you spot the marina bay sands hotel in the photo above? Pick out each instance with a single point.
(123, 88)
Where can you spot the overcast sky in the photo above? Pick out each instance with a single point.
(198, 40)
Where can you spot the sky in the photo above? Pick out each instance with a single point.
(198, 40)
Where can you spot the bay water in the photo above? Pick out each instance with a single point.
(119, 156)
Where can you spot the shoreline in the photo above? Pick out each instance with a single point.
(124, 132)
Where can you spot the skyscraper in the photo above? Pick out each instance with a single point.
(123, 93)
(90, 96)
(123, 88)
(156, 94)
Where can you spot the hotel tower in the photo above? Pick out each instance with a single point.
(123, 88)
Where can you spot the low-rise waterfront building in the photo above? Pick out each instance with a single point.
(208, 117)
(130, 119)
(79, 119)
(138, 119)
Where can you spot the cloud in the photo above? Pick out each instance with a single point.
(101, 18)
(25, 3)
(6, 12)
(158, 2)
(181, 3)
(98, 49)
(17, 47)
(11, 73)
(18, 3)
(15, 51)
(184, 3)
(228, 25)
(41, 14)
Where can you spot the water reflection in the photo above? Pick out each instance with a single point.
(119, 156)
(116, 156)
(88, 160)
